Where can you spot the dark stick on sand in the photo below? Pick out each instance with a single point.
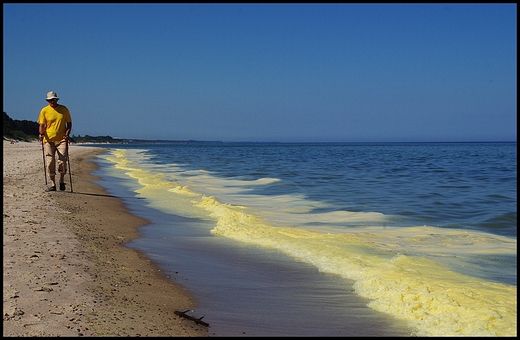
(197, 321)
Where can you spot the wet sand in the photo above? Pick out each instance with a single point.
(66, 269)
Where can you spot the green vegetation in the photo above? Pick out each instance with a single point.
(93, 139)
(23, 130)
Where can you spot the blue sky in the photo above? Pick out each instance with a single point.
(268, 72)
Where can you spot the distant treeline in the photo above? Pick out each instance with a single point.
(27, 131)
(24, 130)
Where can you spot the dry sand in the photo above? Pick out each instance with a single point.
(66, 270)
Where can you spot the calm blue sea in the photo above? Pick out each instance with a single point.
(330, 239)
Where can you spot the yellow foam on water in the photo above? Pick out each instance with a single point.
(386, 265)
(162, 194)
(434, 300)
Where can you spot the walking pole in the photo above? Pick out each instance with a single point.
(44, 170)
(68, 161)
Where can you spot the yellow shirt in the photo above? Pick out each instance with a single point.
(55, 121)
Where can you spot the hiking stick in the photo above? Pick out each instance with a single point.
(70, 170)
(44, 170)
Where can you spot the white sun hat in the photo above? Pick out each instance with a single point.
(52, 95)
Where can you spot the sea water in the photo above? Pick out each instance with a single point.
(330, 239)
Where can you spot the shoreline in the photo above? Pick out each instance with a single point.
(67, 271)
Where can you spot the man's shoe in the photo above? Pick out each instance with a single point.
(62, 187)
(53, 188)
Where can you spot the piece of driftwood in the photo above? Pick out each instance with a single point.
(197, 321)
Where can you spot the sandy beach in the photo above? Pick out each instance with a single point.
(66, 269)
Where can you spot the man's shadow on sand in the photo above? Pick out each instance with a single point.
(101, 195)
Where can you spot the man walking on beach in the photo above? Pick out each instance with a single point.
(54, 130)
